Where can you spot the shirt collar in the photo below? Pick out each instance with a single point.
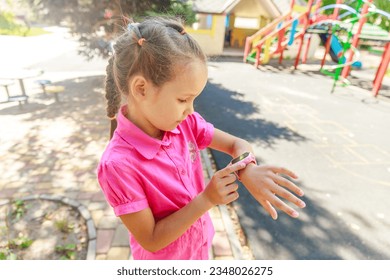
(146, 145)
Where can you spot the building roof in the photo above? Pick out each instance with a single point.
(274, 8)
(214, 6)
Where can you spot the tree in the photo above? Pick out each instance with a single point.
(96, 22)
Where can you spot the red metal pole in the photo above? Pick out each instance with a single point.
(355, 39)
(258, 51)
(336, 10)
(306, 24)
(327, 45)
(381, 70)
(305, 54)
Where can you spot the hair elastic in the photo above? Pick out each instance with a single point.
(183, 32)
(112, 118)
(141, 41)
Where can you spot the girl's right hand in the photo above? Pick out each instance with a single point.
(222, 188)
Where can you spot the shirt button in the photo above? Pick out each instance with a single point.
(183, 172)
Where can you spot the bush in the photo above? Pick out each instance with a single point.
(8, 25)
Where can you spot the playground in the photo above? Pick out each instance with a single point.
(342, 32)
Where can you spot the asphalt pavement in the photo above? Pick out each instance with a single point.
(338, 143)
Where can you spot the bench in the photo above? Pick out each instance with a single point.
(18, 98)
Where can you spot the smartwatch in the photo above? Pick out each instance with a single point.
(246, 158)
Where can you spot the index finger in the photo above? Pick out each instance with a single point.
(232, 168)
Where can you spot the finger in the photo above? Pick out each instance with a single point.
(288, 184)
(229, 179)
(278, 203)
(231, 188)
(269, 208)
(290, 197)
(232, 197)
(285, 171)
(231, 168)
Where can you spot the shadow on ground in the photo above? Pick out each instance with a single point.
(228, 111)
(318, 234)
(62, 141)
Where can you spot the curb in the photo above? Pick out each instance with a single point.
(84, 212)
(233, 239)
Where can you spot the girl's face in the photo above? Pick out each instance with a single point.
(167, 106)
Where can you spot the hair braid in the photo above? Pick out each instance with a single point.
(112, 94)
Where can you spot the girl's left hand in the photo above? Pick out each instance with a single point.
(266, 185)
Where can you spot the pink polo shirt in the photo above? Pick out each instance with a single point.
(137, 171)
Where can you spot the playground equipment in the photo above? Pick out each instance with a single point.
(340, 33)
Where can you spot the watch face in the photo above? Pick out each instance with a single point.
(240, 158)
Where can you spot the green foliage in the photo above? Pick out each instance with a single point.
(20, 209)
(68, 251)
(8, 24)
(378, 19)
(7, 255)
(63, 226)
(21, 242)
(178, 9)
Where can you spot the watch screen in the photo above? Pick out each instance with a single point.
(240, 158)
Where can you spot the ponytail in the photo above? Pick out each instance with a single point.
(113, 96)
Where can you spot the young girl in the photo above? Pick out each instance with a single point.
(151, 172)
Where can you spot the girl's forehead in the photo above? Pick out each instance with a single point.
(190, 78)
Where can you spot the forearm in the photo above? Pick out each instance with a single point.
(229, 144)
(240, 146)
(173, 226)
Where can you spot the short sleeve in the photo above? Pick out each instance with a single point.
(202, 130)
(121, 188)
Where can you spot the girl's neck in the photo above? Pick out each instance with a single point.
(143, 124)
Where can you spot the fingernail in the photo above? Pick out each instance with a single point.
(295, 214)
(302, 204)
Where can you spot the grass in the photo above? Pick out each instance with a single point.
(34, 31)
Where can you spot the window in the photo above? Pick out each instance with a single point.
(247, 23)
(204, 21)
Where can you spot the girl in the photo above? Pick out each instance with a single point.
(151, 171)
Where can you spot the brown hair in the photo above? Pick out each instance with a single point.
(151, 48)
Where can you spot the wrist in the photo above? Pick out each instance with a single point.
(204, 201)
(243, 173)
(247, 158)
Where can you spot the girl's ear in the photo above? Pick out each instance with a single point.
(138, 87)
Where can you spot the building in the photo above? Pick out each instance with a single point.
(226, 23)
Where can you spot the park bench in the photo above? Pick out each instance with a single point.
(13, 98)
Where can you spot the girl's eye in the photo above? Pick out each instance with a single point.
(182, 100)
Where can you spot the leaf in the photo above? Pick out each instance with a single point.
(26, 243)
(70, 246)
